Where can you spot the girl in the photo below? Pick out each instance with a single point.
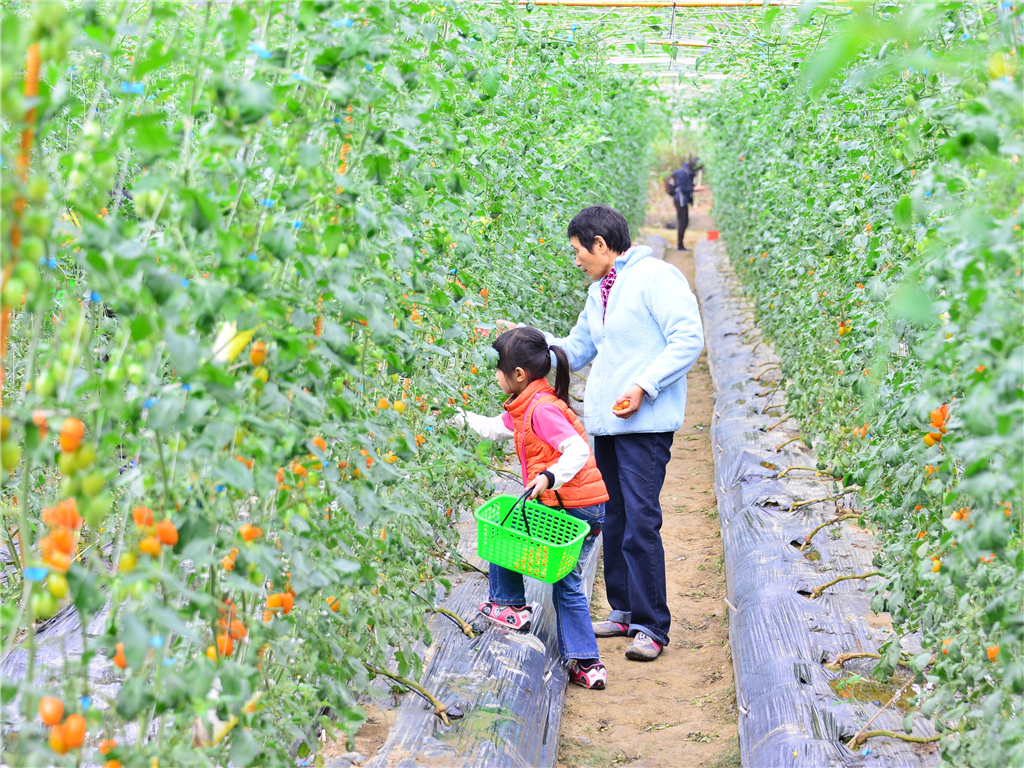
(559, 469)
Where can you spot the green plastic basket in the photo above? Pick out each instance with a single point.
(529, 538)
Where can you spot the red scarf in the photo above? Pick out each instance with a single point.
(606, 288)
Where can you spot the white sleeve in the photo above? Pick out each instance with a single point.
(488, 427)
(575, 453)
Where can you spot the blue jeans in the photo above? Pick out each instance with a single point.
(633, 467)
(572, 611)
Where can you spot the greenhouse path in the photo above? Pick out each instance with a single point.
(680, 709)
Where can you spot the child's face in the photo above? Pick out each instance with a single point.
(512, 384)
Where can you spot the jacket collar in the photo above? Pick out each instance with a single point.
(632, 255)
(517, 405)
(623, 261)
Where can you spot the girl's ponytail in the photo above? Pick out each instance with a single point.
(561, 375)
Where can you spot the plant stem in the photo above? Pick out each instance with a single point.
(786, 471)
(439, 709)
(780, 446)
(808, 503)
(900, 736)
(864, 733)
(825, 525)
(816, 592)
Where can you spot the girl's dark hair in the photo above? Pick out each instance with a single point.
(526, 348)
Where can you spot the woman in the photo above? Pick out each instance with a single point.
(641, 329)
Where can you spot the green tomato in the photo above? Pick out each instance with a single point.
(49, 14)
(37, 190)
(13, 293)
(66, 464)
(343, 250)
(10, 455)
(302, 510)
(45, 385)
(137, 589)
(93, 483)
(97, 509)
(135, 373)
(44, 605)
(28, 273)
(58, 585)
(70, 486)
(85, 456)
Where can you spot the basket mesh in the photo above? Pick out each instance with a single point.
(548, 552)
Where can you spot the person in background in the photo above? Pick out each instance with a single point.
(641, 328)
(680, 187)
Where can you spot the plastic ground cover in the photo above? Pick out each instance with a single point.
(793, 710)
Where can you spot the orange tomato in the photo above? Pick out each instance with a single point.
(258, 353)
(58, 740)
(59, 561)
(332, 603)
(945, 646)
(622, 406)
(60, 540)
(320, 443)
(71, 433)
(107, 745)
(225, 645)
(119, 659)
(167, 533)
(39, 419)
(993, 652)
(113, 764)
(63, 515)
(143, 516)
(383, 404)
(51, 710)
(237, 630)
(74, 731)
(150, 546)
(249, 532)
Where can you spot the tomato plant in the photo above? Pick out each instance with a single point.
(252, 253)
(869, 186)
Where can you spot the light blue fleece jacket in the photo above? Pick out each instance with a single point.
(651, 336)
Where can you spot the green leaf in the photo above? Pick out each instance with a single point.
(902, 213)
(134, 697)
(309, 155)
(149, 134)
(490, 83)
(378, 167)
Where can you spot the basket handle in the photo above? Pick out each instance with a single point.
(513, 509)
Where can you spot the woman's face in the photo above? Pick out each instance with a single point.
(595, 262)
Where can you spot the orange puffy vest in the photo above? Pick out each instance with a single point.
(587, 487)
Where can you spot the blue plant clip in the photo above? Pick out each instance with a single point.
(36, 574)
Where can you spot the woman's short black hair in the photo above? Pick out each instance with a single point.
(600, 220)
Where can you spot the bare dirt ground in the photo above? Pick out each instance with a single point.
(679, 710)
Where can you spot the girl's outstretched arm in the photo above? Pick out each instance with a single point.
(488, 427)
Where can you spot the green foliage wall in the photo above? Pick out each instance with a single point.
(870, 194)
(360, 187)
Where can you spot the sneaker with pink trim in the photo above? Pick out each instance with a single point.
(507, 616)
(643, 648)
(609, 628)
(595, 676)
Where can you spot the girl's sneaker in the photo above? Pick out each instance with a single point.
(595, 676)
(508, 616)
